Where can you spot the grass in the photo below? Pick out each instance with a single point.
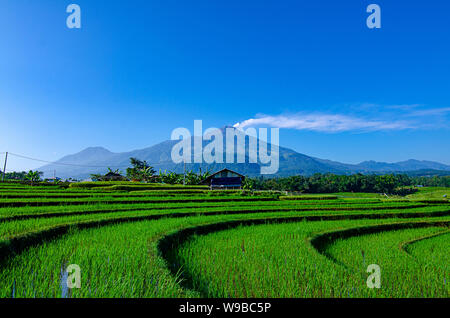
(433, 251)
(131, 186)
(428, 275)
(131, 200)
(274, 261)
(430, 194)
(123, 260)
(40, 211)
(148, 240)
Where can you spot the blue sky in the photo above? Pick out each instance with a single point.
(138, 69)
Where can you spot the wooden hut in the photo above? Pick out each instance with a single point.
(225, 179)
(113, 176)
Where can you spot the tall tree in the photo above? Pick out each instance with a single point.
(140, 170)
(34, 176)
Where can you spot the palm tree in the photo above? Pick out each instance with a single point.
(33, 176)
(115, 171)
(147, 173)
(140, 170)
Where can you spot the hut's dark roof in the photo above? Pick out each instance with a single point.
(223, 170)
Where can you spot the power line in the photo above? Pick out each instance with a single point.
(68, 164)
(57, 163)
(9, 170)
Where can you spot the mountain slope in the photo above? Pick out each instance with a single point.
(97, 159)
(409, 165)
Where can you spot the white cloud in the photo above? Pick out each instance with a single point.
(431, 112)
(324, 123)
(404, 107)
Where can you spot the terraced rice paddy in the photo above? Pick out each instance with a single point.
(172, 241)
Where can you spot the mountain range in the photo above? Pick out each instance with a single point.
(97, 159)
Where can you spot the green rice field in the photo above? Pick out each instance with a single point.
(159, 241)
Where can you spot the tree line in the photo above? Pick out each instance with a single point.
(31, 176)
(401, 184)
(141, 171)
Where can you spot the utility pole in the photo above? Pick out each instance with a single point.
(4, 167)
(184, 175)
